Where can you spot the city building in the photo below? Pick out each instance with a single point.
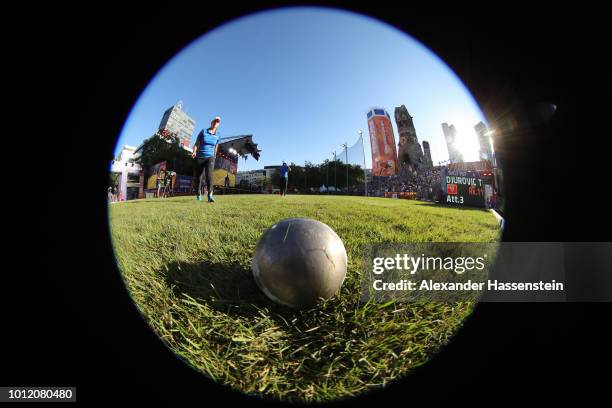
(409, 149)
(382, 142)
(269, 170)
(250, 178)
(450, 134)
(256, 178)
(129, 173)
(484, 141)
(175, 120)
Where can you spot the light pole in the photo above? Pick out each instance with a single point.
(493, 159)
(365, 175)
(335, 175)
(327, 175)
(345, 146)
(305, 180)
(347, 165)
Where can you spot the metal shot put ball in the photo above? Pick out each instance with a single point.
(299, 260)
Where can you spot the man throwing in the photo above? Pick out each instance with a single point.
(284, 178)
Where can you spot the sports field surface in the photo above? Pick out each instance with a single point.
(187, 265)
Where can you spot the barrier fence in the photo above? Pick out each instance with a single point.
(407, 195)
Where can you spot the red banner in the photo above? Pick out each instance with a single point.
(382, 142)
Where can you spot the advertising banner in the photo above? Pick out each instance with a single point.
(226, 163)
(482, 165)
(219, 178)
(153, 172)
(183, 184)
(382, 142)
(224, 174)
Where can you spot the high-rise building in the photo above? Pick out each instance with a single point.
(485, 152)
(177, 121)
(450, 134)
(427, 153)
(409, 149)
(382, 142)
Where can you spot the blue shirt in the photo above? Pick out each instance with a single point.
(206, 143)
(284, 171)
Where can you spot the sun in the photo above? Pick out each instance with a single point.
(467, 140)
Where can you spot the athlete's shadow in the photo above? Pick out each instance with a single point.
(231, 289)
(227, 287)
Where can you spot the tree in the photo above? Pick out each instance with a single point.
(296, 176)
(114, 179)
(274, 178)
(314, 176)
(165, 147)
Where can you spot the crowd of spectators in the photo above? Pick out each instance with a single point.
(424, 182)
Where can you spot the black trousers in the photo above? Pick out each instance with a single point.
(204, 173)
(283, 185)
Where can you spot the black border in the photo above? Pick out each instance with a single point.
(88, 333)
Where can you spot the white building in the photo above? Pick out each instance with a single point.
(252, 177)
(129, 173)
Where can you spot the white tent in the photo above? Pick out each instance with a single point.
(323, 189)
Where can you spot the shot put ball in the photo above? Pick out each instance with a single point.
(298, 261)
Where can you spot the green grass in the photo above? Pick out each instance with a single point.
(187, 267)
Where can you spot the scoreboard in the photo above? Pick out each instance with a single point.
(465, 188)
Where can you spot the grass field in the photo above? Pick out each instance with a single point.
(187, 266)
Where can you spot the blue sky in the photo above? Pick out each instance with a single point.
(302, 80)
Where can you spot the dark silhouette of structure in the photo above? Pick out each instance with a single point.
(409, 149)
